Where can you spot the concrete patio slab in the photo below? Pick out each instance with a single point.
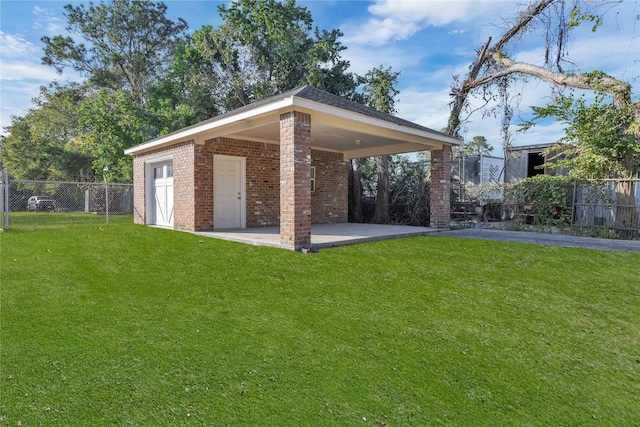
(322, 235)
(332, 235)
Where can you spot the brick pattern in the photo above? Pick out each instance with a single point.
(329, 202)
(183, 188)
(440, 187)
(295, 185)
(263, 177)
(139, 207)
(194, 176)
(203, 187)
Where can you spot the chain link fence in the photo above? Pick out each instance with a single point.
(51, 196)
(608, 208)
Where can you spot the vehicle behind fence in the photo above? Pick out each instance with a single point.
(51, 196)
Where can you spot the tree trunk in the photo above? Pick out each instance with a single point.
(381, 215)
(461, 93)
(355, 191)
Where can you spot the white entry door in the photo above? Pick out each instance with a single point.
(162, 189)
(228, 188)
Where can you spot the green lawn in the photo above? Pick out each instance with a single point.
(131, 325)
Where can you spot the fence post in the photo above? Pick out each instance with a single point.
(106, 199)
(106, 195)
(4, 203)
(573, 202)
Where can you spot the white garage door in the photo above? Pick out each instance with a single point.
(162, 189)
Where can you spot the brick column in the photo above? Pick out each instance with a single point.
(139, 185)
(295, 182)
(441, 187)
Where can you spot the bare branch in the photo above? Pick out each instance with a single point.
(621, 91)
(525, 18)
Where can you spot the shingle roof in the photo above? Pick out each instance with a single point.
(320, 96)
(317, 95)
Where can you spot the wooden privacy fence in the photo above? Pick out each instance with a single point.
(613, 204)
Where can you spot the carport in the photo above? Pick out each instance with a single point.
(280, 162)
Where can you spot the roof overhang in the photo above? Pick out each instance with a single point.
(332, 129)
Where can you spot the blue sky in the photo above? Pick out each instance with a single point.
(426, 41)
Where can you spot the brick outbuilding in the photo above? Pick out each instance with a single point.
(280, 161)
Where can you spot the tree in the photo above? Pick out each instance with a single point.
(379, 92)
(128, 45)
(597, 139)
(190, 92)
(477, 146)
(409, 189)
(123, 48)
(42, 144)
(600, 142)
(495, 67)
(265, 47)
(112, 122)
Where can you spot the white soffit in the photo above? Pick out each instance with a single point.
(269, 113)
(346, 119)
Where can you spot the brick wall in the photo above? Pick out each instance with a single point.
(441, 187)
(263, 177)
(203, 187)
(139, 207)
(295, 185)
(183, 189)
(329, 202)
(193, 183)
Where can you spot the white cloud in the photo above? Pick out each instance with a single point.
(21, 75)
(394, 20)
(610, 54)
(16, 46)
(426, 107)
(379, 32)
(364, 58)
(429, 12)
(602, 53)
(20, 60)
(47, 20)
(542, 133)
(23, 70)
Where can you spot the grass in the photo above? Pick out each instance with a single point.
(132, 325)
